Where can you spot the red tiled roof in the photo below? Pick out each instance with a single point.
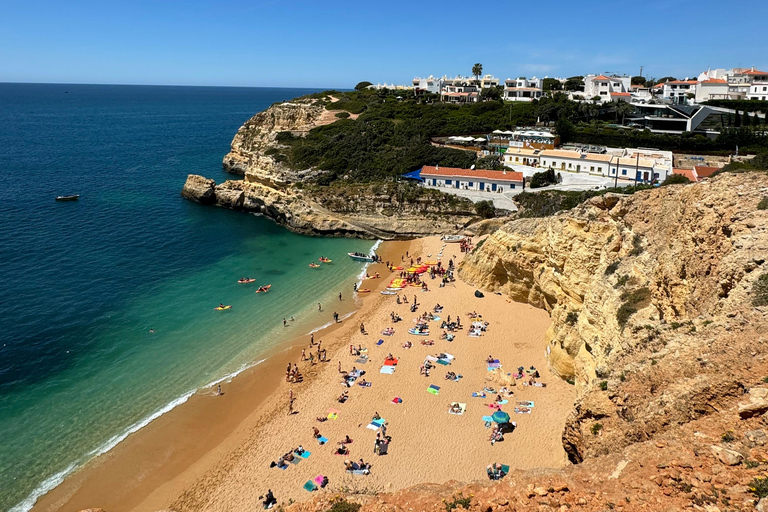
(714, 81)
(705, 172)
(688, 173)
(620, 94)
(601, 77)
(756, 73)
(429, 170)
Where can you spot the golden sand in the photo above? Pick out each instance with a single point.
(239, 434)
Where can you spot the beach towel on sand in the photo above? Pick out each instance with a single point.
(380, 342)
(478, 395)
(322, 440)
(522, 410)
(462, 407)
(387, 369)
(435, 390)
(397, 400)
(305, 454)
(319, 479)
(361, 360)
(525, 403)
(310, 486)
(364, 384)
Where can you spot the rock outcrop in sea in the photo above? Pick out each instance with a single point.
(271, 188)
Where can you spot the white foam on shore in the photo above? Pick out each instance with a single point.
(228, 377)
(364, 272)
(53, 481)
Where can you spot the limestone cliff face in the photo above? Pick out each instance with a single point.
(639, 288)
(270, 187)
(250, 155)
(362, 216)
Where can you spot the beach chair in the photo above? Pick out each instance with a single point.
(310, 486)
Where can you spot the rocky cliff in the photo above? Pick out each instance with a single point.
(271, 188)
(650, 299)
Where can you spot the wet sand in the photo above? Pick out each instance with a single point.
(214, 453)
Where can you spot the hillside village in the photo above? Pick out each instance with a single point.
(713, 102)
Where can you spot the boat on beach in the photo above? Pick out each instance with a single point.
(73, 197)
(453, 239)
(358, 256)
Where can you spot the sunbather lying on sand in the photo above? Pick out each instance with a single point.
(454, 408)
(495, 472)
(407, 344)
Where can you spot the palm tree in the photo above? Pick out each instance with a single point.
(477, 70)
(623, 108)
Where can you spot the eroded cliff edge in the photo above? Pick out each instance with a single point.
(650, 298)
(271, 188)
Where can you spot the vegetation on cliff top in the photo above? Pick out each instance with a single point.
(393, 132)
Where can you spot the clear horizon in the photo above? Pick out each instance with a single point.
(269, 44)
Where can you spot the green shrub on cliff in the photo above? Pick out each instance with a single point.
(632, 301)
(760, 291)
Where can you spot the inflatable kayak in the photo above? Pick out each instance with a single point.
(387, 292)
(245, 281)
(265, 288)
(314, 265)
(222, 308)
(325, 260)
(363, 290)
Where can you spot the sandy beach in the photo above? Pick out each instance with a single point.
(214, 453)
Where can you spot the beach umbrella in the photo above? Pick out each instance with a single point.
(500, 417)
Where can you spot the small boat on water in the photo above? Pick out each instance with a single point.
(246, 280)
(325, 260)
(74, 197)
(358, 256)
(264, 289)
(453, 238)
(314, 265)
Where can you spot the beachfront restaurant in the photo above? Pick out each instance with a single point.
(484, 180)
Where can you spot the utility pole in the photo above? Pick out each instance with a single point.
(637, 168)
(616, 179)
(641, 70)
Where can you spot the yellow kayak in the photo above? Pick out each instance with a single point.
(222, 308)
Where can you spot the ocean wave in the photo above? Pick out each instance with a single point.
(55, 480)
(228, 377)
(364, 271)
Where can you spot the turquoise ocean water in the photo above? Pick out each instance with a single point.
(82, 283)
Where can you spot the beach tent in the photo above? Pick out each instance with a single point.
(500, 417)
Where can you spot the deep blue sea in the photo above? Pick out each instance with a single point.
(82, 283)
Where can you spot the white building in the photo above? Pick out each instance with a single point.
(678, 90)
(758, 91)
(602, 86)
(471, 179)
(575, 161)
(459, 93)
(521, 156)
(630, 164)
(430, 84)
(522, 89)
(715, 89)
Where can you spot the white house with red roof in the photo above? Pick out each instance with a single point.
(603, 86)
(461, 93)
(471, 179)
(522, 89)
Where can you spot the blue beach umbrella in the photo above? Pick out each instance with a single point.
(500, 417)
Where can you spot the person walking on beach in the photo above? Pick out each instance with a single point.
(303, 355)
(340, 296)
(290, 407)
(285, 323)
(218, 391)
(290, 394)
(311, 359)
(312, 340)
(319, 307)
(335, 317)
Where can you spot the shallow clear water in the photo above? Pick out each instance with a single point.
(82, 283)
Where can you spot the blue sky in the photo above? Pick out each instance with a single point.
(327, 44)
